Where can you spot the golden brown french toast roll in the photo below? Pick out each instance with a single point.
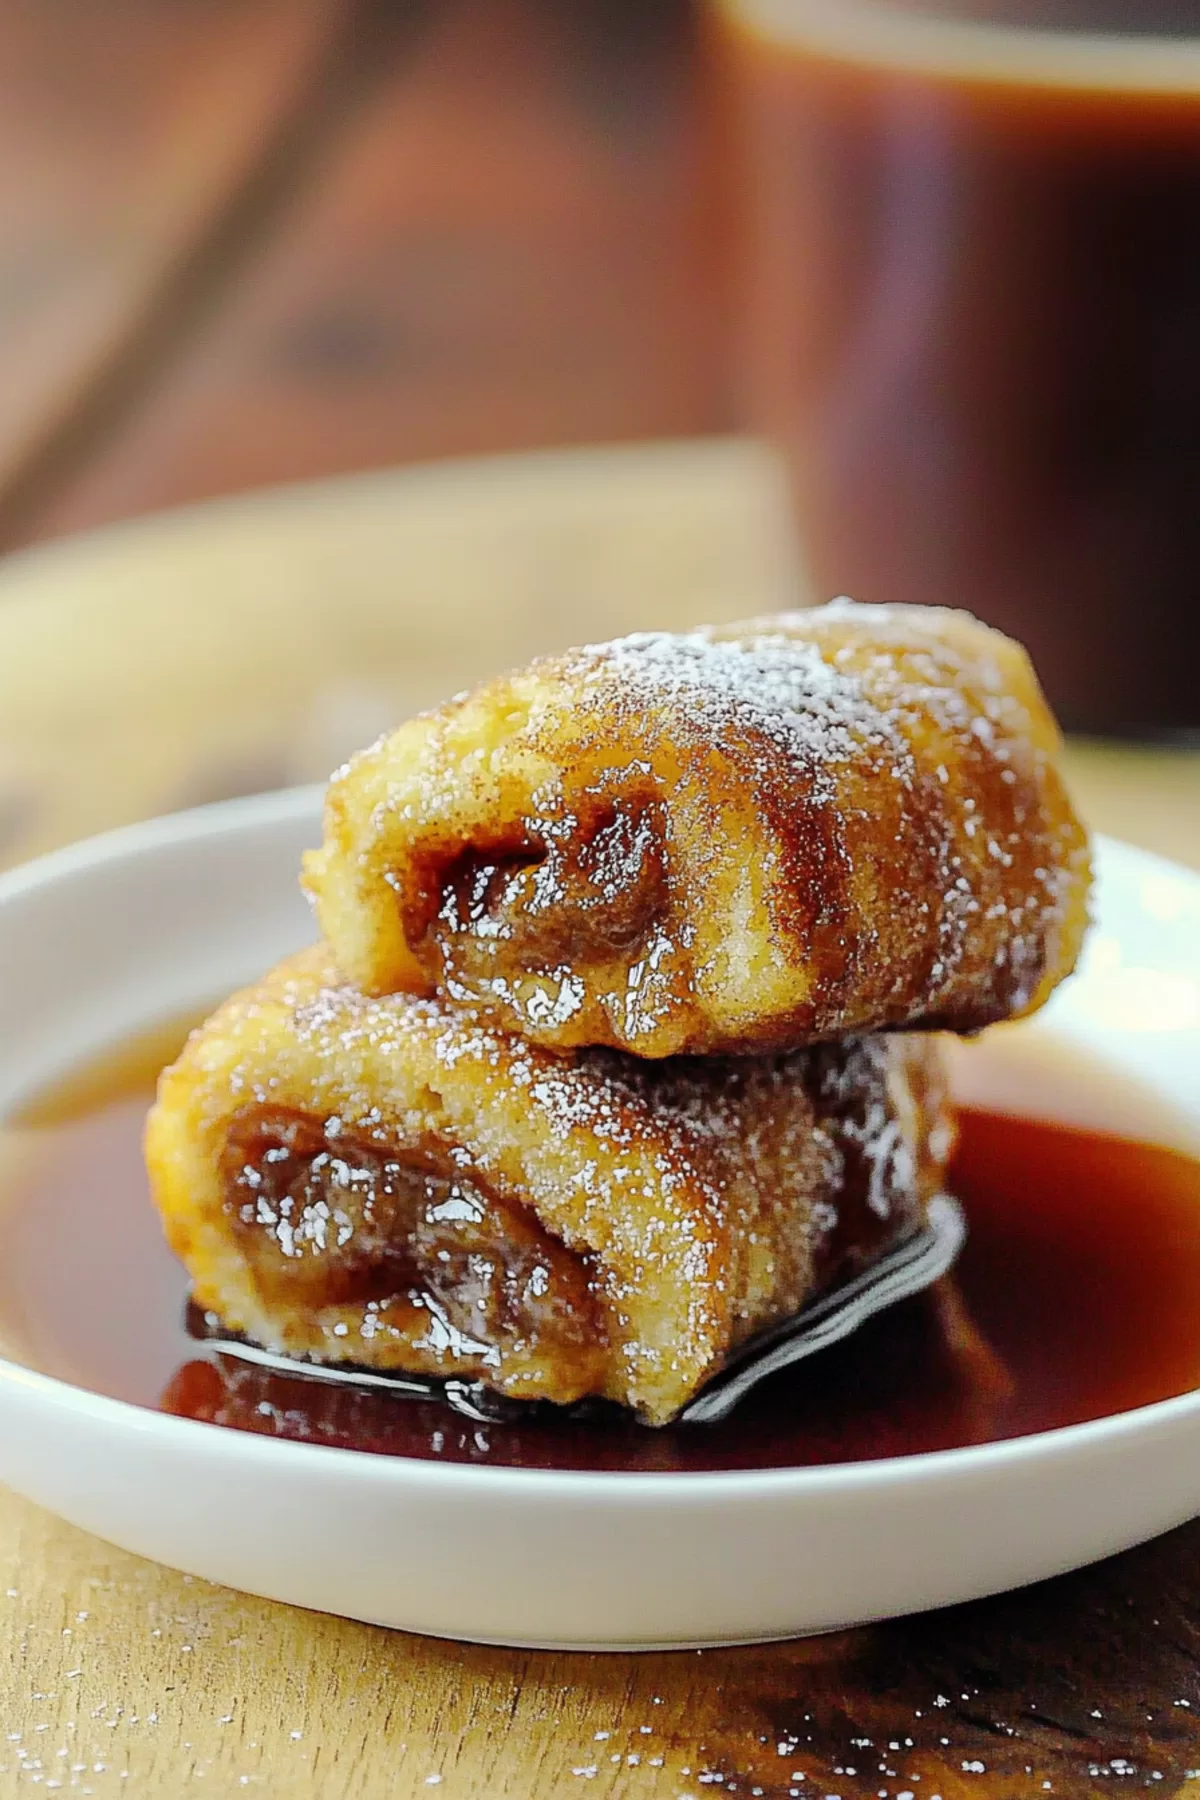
(736, 839)
(390, 1183)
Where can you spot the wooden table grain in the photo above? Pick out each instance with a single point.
(256, 641)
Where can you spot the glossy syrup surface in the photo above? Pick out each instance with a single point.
(1082, 1271)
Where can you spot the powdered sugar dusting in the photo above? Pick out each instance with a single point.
(780, 686)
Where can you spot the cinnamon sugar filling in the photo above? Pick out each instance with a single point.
(327, 1218)
(572, 894)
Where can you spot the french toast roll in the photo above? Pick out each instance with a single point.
(389, 1182)
(745, 838)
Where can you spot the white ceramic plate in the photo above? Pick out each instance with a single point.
(150, 922)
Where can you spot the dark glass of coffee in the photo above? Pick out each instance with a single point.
(973, 302)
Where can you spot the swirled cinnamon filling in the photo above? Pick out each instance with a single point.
(330, 1219)
(577, 894)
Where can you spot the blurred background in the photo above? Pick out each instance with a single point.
(795, 297)
(246, 241)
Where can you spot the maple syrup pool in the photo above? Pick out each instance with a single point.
(1081, 1271)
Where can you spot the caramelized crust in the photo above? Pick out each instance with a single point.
(746, 838)
(388, 1182)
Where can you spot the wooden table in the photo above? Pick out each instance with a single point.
(257, 641)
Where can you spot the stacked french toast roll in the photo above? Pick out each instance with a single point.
(621, 1045)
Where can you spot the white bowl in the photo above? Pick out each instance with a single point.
(150, 922)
